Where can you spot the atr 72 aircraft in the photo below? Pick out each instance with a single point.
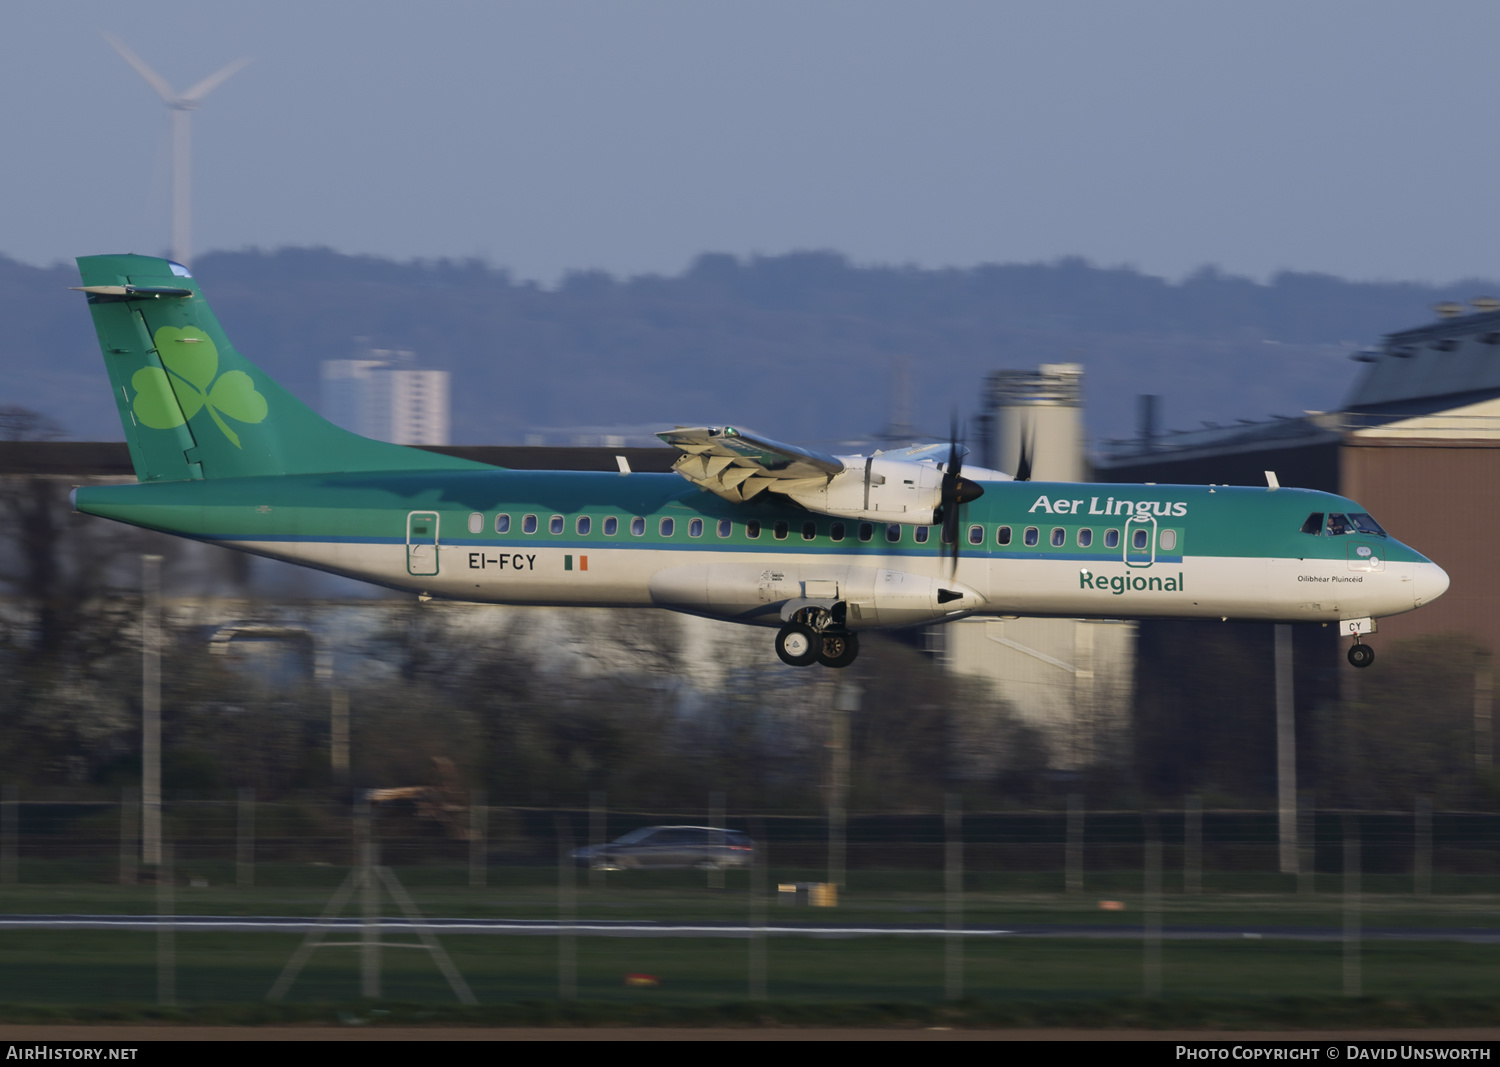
(820, 547)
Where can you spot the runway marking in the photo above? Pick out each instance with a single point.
(636, 928)
(604, 928)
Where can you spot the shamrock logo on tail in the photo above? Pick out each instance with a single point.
(164, 402)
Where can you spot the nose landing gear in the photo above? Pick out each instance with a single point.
(1360, 655)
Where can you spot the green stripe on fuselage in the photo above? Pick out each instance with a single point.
(1220, 521)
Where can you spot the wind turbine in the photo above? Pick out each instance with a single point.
(182, 108)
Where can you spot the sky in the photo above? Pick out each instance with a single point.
(1353, 137)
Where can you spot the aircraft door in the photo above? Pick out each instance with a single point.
(422, 543)
(1140, 540)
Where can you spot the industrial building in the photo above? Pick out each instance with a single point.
(1417, 441)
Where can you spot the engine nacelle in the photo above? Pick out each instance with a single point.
(885, 489)
(878, 489)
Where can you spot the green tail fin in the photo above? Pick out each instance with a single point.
(192, 406)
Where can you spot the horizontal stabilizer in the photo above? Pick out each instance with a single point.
(126, 292)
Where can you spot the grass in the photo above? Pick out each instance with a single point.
(103, 967)
(880, 980)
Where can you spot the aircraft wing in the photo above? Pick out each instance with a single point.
(737, 464)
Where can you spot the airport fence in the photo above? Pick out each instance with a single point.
(1073, 904)
(42, 840)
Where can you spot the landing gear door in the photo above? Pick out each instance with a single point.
(1140, 540)
(1366, 556)
(422, 543)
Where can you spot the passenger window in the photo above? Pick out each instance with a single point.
(667, 526)
(752, 529)
(809, 531)
(1030, 537)
(779, 531)
(893, 532)
(1337, 525)
(725, 527)
(1085, 537)
(976, 535)
(695, 528)
(528, 524)
(611, 526)
(1140, 539)
(476, 522)
(920, 534)
(638, 526)
(866, 531)
(1059, 537)
(1111, 538)
(1002, 535)
(1167, 540)
(502, 524)
(836, 531)
(556, 524)
(1314, 523)
(583, 525)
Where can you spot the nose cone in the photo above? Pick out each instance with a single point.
(1429, 582)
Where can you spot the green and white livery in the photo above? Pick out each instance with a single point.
(751, 530)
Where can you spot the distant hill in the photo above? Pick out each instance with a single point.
(800, 346)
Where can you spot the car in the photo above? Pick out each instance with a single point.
(669, 847)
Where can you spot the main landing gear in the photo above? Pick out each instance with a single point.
(813, 636)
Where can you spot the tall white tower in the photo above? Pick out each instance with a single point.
(1039, 415)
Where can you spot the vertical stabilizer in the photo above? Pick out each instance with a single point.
(192, 406)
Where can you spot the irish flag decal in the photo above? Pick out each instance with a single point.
(583, 563)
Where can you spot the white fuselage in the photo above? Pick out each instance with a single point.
(899, 589)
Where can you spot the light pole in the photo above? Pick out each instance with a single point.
(151, 711)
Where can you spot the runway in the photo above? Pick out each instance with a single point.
(635, 928)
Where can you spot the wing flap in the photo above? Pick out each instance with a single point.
(738, 465)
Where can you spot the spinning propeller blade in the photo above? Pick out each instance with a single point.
(956, 491)
(1023, 466)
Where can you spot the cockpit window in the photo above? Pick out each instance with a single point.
(1314, 523)
(1338, 525)
(1366, 525)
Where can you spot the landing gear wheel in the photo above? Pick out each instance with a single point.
(838, 649)
(1361, 655)
(797, 645)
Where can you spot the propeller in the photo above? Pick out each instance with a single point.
(1023, 465)
(955, 492)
